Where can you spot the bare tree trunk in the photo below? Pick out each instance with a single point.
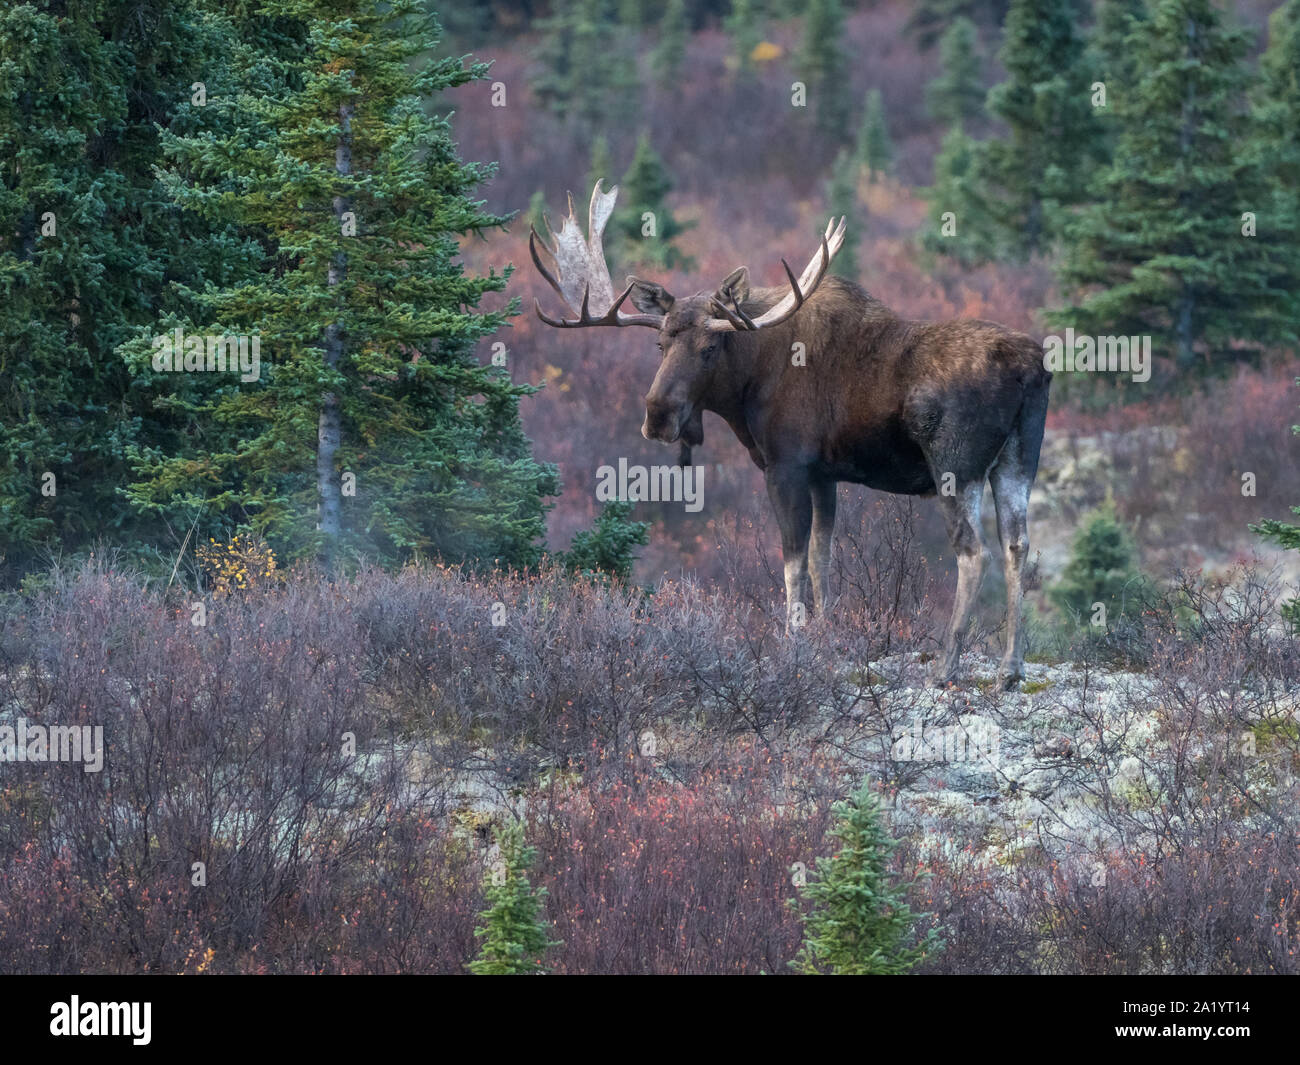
(330, 429)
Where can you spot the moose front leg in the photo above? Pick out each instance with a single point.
(790, 493)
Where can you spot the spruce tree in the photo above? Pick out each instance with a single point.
(875, 147)
(745, 26)
(1040, 166)
(1112, 58)
(60, 88)
(1287, 536)
(607, 551)
(1275, 140)
(823, 65)
(859, 923)
(957, 92)
(643, 227)
(959, 222)
(514, 932)
(373, 429)
(842, 200)
(1165, 249)
(1113, 62)
(588, 74)
(1278, 95)
(1101, 569)
(89, 249)
(670, 53)
(632, 14)
(929, 18)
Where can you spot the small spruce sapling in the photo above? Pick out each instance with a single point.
(860, 923)
(514, 933)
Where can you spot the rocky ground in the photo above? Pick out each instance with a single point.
(1079, 759)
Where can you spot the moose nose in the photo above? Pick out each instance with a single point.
(661, 421)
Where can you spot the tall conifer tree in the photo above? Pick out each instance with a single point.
(842, 201)
(89, 248)
(960, 226)
(823, 64)
(643, 227)
(1040, 167)
(1275, 142)
(745, 25)
(957, 93)
(588, 64)
(373, 428)
(1180, 242)
(670, 53)
(875, 146)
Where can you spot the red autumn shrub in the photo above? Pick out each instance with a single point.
(661, 876)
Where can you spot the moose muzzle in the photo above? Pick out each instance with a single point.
(663, 420)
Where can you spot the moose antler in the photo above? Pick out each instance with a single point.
(576, 269)
(800, 288)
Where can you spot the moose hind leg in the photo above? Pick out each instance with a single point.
(789, 491)
(961, 512)
(1011, 500)
(819, 554)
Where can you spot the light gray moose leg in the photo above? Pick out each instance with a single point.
(962, 514)
(819, 553)
(1011, 500)
(791, 500)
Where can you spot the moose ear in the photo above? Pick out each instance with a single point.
(734, 287)
(649, 298)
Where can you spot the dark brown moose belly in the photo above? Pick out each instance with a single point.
(896, 465)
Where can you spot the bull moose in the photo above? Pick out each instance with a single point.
(913, 408)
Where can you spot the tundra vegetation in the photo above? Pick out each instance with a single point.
(347, 622)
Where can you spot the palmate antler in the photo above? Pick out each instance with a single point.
(575, 267)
